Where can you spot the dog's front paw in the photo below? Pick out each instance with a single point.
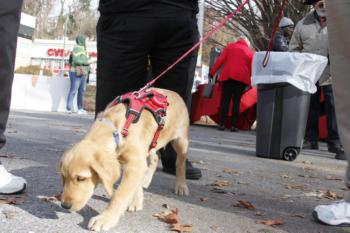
(182, 189)
(135, 206)
(102, 222)
(137, 202)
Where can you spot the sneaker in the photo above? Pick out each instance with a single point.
(310, 145)
(335, 214)
(82, 111)
(10, 184)
(68, 111)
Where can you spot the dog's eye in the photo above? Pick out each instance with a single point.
(80, 179)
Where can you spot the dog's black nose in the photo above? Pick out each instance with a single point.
(66, 205)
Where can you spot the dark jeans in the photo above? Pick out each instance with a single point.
(9, 23)
(77, 85)
(231, 89)
(126, 43)
(312, 132)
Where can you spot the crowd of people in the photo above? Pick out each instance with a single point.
(169, 28)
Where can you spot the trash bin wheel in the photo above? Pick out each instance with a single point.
(290, 153)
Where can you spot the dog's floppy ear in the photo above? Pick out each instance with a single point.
(107, 171)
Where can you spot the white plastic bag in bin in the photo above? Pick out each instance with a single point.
(301, 70)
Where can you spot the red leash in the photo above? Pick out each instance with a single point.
(275, 27)
(227, 18)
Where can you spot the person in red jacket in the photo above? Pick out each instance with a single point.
(236, 63)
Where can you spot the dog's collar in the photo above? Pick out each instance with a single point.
(115, 130)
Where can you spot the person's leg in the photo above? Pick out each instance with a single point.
(81, 92)
(311, 133)
(9, 23)
(238, 89)
(225, 102)
(338, 12)
(73, 89)
(175, 35)
(122, 49)
(333, 140)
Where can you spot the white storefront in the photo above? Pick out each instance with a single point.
(38, 92)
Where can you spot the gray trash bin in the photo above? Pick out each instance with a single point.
(282, 112)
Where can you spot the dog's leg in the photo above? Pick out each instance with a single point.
(153, 162)
(181, 146)
(137, 202)
(133, 173)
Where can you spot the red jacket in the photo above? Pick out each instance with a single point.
(237, 62)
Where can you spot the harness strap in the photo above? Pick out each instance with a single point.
(127, 124)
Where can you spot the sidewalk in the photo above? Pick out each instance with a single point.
(286, 191)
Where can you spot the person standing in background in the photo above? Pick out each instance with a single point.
(283, 35)
(78, 74)
(338, 11)
(310, 36)
(235, 76)
(10, 13)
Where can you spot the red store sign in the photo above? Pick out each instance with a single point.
(64, 53)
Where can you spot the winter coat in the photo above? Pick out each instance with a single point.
(309, 37)
(236, 60)
(79, 53)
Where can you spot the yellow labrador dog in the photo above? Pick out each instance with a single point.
(97, 158)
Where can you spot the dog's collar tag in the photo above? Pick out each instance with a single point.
(116, 137)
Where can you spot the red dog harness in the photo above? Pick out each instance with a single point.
(151, 100)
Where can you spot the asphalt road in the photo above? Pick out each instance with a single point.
(286, 191)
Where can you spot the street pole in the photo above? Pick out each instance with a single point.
(64, 45)
(200, 22)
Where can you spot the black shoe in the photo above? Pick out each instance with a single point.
(310, 145)
(340, 156)
(168, 158)
(335, 148)
(221, 127)
(234, 129)
(192, 173)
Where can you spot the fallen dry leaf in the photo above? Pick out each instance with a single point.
(307, 162)
(181, 228)
(220, 183)
(284, 176)
(204, 199)
(272, 222)
(231, 171)
(296, 186)
(214, 227)
(244, 204)
(259, 213)
(332, 195)
(161, 216)
(56, 197)
(13, 200)
(166, 206)
(172, 217)
(218, 190)
(298, 216)
(333, 178)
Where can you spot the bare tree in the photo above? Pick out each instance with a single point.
(256, 20)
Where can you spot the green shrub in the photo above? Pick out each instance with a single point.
(33, 70)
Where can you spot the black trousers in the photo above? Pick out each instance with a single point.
(312, 132)
(9, 23)
(231, 89)
(126, 43)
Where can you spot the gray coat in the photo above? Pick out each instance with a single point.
(309, 37)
